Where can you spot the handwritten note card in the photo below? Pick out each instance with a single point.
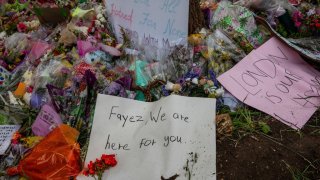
(6, 132)
(174, 136)
(277, 81)
(150, 22)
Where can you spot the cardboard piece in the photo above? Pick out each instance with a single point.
(173, 136)
(276, 80)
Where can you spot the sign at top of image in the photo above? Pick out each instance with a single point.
(151, 23)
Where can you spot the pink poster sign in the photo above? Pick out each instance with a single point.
(276, 80)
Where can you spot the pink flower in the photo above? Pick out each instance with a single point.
(297, 18)
(297, 24)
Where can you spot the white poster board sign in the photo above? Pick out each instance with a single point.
(152, 23)
(6, 132)
(174, 136)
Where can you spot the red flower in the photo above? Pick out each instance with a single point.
(86, 173)
(21, 27)
(91, 172)
(90, 165)
(109, 159)
(100, 165)
(318, 25)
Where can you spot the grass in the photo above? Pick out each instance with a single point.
(243, 122)
(297, 174)
(315, 125)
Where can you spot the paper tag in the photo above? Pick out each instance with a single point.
(47, 120)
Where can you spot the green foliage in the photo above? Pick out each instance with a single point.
(282, 31)
(225, 22)
(243, 22)
(243, 121)
(264, 127)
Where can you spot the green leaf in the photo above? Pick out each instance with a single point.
(37, 11)
(64, 12)
(264, 127)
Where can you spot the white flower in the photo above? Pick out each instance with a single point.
(311, 12)
(98, 23)
(99, 16)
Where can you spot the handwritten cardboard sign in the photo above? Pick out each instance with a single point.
(150, 22)
(174, 136)
(47, 120)
(6, 132)
(277, 81)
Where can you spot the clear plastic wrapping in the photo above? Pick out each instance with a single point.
(222, 52)
(240, 19)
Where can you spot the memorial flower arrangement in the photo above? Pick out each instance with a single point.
(62, 54)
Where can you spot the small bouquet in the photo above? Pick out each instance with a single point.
(98, 167)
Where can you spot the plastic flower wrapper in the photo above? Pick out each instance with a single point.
(270, 6)
(222, 52)
(16, 46)
(5, 77)
(58, 150)
(85, 47)
(48, 72)
(229, 16)
(155, 71)
(75, 104)
(178, 62)
(150, 50)
(67, 37)
(39, 48)
(141, 78)
(120, 87)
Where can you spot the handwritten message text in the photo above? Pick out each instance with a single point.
(150, 23)
(6, 132)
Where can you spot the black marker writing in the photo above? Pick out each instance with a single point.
(146, 142)
(180, 117)
(171, 139)
(162, 118)
(273, 98)
(116, 146)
